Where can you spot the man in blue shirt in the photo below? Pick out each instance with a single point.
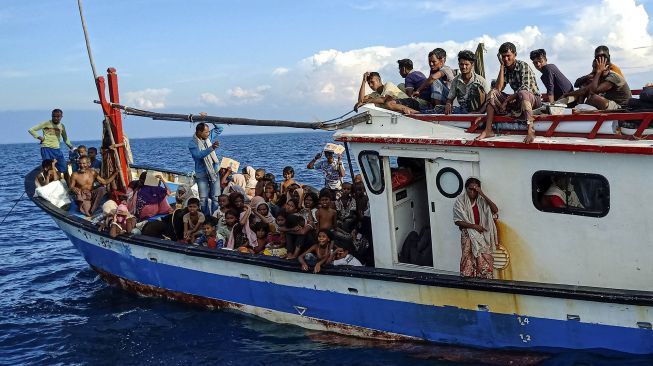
(555, 82)
(206, 167)
(413, 79)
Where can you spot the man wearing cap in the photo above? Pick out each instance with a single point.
(333, 171)
(468, 87)
(53, 132)
(413, 79)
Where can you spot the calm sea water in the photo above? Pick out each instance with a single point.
(55, 310)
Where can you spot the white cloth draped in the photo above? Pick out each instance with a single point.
(486, 241)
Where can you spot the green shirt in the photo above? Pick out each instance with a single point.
(52, 134)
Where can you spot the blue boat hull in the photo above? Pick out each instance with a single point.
(356, 314)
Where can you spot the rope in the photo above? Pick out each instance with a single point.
(12, 208)
(341, 117)
(88, 43)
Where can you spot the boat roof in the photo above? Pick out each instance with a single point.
(388, 127)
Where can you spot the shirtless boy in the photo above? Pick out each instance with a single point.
(326, 215)
(81, 184)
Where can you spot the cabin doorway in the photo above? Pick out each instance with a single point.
(445, 182)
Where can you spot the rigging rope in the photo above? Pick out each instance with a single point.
(88, 43)
(12, 208)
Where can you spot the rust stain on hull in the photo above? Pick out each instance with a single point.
(151, 291)
(210, 303)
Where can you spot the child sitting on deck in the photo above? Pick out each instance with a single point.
(342, 257)
(48, 172)
(223, 203)
(208, 237)
(230, 219)
(289, 178)
(319, 253)
(193, 219)
(262, 231)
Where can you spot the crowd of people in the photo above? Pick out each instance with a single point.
(604, 88)
(249, 211)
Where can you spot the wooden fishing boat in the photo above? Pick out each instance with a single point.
(565, 278)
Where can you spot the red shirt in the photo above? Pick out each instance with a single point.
(477, 215)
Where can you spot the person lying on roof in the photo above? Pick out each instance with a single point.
(386, 95)
(607, 89)
(468, 87)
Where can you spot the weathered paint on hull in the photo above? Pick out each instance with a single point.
(324, 308)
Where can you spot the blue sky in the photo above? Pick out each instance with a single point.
(275, 59)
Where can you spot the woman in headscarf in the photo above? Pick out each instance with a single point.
(237, 184)
(241, 234)
(146, 201)
(474, 214)
(262, 212)
(250, 181)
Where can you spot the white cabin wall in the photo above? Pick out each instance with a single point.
(382, 220)
(613, 251)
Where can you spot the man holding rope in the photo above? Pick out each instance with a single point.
(206, 167)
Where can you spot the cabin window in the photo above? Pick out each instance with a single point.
(571, 193)
(370, 164)
(449, 182)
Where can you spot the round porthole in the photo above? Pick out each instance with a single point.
(449, 182)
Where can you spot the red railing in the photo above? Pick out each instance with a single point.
(598, 118)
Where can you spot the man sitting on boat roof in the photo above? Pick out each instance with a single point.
(439, 80)
(599, 51)
(413, 79)
(386, 95)
(526, 95)
(468, 87)
(607, 89)
(554, 80)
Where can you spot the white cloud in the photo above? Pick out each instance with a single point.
(280, 71)
(211, 99)
(13, 74)
(333, 77)
(148, 98)
(241, 95)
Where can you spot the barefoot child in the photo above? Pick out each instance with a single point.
(319, 253)
(193, 219)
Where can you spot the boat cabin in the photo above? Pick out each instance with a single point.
(415, 168)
